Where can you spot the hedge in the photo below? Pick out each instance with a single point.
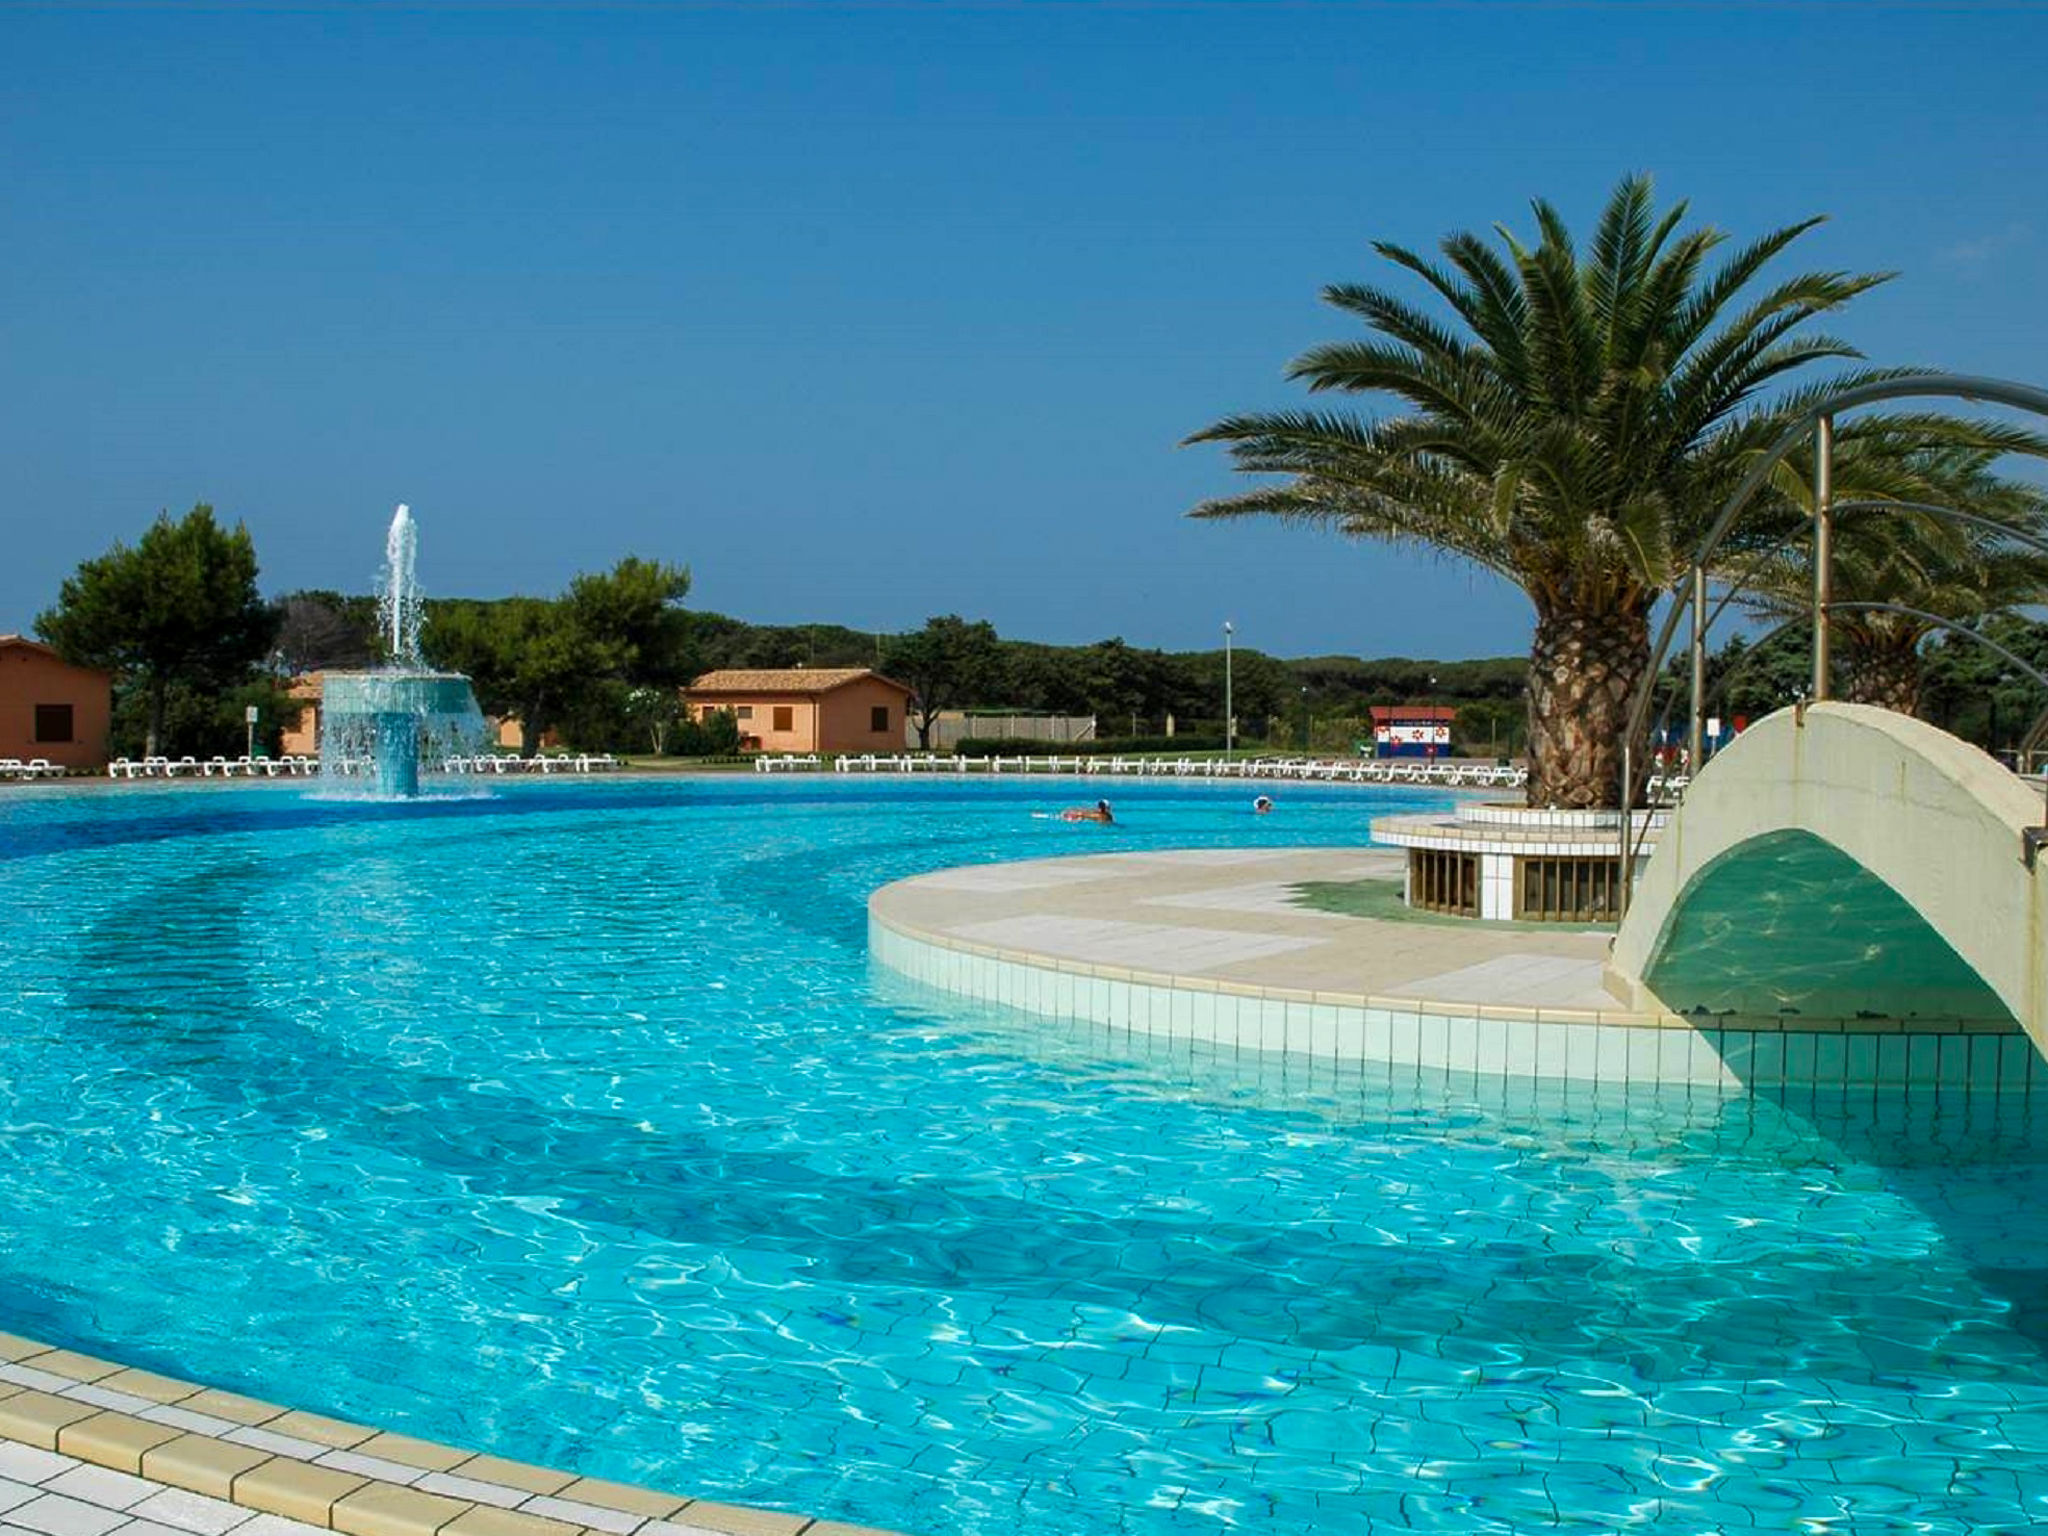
(1017, 746)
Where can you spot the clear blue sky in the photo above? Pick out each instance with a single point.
(870, 312)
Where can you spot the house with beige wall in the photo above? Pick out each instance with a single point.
(301, 737)
(50, 708)
(806, 709)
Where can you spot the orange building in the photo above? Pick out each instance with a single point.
(51, 709)
(806, 709)
(301, 737)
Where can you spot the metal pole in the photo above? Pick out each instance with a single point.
(1823, 547)
(1628, 864)
(1696, 736)
(1229, 714)
(1947, 386)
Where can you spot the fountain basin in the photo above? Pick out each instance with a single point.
(388, 722)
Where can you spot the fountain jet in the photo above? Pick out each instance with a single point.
(398, 599)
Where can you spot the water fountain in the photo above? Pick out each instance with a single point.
(387, 720)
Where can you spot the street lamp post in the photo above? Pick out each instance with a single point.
(1229, 716)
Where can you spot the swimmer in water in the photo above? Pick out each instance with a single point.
(1262, 805)
(1083, 813)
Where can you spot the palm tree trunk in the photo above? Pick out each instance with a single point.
(1885, 675)
(1584, 669)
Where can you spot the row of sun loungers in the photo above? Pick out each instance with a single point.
(1455, 775)
(32, 768)
(292, 767)
(1325, 770)
(560, 762)
(211, 767)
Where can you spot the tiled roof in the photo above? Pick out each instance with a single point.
(786, 680)
(1414, 712)
(41, 649)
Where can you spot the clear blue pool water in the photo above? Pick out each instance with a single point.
(573, 1124)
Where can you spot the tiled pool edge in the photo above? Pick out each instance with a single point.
(328, 1472)
(1491, 1039)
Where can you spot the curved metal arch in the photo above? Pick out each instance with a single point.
(1819, 420)
(1952, 514)
(2023, 397)
(1951, 626)
(1733, 588)
(1725, 683)
(2031, 742)
(1993, 391)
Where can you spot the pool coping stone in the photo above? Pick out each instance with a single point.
(328, 1472)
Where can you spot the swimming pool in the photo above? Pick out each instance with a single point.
(572, 1124)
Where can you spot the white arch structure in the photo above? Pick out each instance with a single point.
(1947, 828)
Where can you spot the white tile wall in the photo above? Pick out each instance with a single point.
(1496, 886)
(1490, 1046)
(1455, 1038)
(1376, 1035)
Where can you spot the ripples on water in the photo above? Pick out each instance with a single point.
(573, 1125)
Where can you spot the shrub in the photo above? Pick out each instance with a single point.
(716, 735)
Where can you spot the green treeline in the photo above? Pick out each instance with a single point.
(1132, 690)
(177, 618)
(537, 659)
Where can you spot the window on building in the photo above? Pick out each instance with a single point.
(53, 722)
(878, 718)
(785, 717)
(740, 712)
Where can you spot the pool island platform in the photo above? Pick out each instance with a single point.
(1228, 948)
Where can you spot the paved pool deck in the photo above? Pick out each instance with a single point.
(1233, 919)
(89, 1447)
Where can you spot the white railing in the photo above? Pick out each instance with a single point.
(1321, 770)
(1451, 775)
(295, 767)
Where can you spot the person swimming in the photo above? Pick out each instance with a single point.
(1262, 805)
(1083, 813)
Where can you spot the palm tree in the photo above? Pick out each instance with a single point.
(1959, 571)
(1574, 427)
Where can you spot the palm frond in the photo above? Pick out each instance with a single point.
(1575, 418)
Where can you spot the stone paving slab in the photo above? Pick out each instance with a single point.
(1195, 913)
(1106, 941)
(1538, 981)
(88, 1448)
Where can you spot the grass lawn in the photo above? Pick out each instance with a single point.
(652, 764)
